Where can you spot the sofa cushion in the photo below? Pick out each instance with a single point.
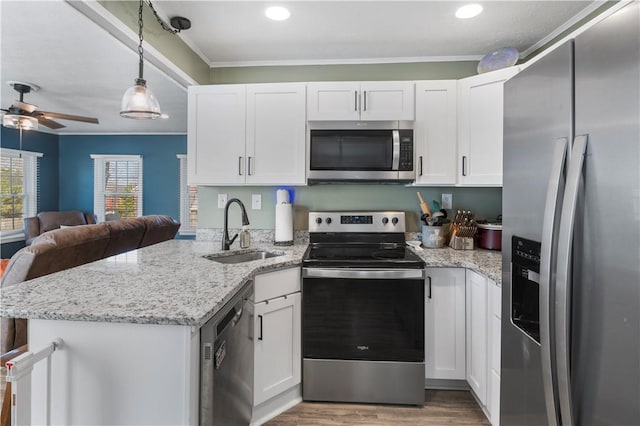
(65, 248)
(124, 235)
(53, 220)
(158, 228)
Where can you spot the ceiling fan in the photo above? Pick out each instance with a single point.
(23, 115)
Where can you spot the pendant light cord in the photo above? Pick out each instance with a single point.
(140, 49)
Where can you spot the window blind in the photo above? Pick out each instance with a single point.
(188, 200)
(118, 188)
(19, 174)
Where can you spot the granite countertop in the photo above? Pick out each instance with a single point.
(171, 283)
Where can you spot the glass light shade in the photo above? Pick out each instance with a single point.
(24, 122)
(139, 103)
(277, 13)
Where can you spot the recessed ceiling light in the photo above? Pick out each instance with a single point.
(277, 13)
(469, 11)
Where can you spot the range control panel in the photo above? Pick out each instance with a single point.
(387, 221)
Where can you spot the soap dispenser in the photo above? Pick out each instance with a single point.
(245, 237)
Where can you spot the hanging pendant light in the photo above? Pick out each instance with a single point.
(138, 101)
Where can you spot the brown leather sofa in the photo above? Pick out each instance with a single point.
(66, 248)
(48, 221)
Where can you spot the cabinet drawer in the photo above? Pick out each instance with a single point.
(276, 284)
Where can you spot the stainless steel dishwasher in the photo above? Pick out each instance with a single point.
(226, 363)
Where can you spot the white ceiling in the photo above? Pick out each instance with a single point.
(84, 70)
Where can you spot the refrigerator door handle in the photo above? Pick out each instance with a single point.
(563, 278)
(549, 226)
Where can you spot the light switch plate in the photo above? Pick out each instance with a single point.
(447, 201)
(222, 200)
(256, 201)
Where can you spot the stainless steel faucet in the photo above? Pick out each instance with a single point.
(226, 242)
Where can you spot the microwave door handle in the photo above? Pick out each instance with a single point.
(395, 165)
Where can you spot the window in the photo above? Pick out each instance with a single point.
(117, 186)
(188, 201)
(18, 191)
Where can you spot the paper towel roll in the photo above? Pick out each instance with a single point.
(284, 224)
(282, 196)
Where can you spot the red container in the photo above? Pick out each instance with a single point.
(490, 236)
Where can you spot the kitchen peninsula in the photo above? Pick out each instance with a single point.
(131, 327)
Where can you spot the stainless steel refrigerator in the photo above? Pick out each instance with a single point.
(571, 232)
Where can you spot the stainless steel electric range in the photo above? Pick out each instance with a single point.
(362, 310)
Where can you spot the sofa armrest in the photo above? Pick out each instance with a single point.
(90, 218)
(31, 229)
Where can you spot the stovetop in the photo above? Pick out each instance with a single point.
(360, 256)
(359, 240)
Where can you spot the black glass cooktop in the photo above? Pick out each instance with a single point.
(361, 255)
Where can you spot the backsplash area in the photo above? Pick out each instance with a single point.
(485, 202)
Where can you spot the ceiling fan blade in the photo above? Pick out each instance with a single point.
(24, 106)
(47, 114)
(50, 123)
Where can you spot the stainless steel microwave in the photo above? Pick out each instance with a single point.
(375, 155)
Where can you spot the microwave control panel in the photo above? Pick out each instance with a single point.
(406, 150)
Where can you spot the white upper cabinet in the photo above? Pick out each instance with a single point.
(216, 134)
(247, 134)
(276, 123)
(480, 121)
(435, 132)
(350, 101)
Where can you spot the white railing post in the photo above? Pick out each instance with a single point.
(19, 375)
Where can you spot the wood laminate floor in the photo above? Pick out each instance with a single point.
(440, 408)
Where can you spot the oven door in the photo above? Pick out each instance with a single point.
(363, 314)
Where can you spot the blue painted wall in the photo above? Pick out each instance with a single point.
(48, 145)
(160, 167)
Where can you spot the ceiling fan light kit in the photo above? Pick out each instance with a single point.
(139, 102)
(22, 122)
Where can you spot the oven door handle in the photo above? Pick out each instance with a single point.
(363, 274)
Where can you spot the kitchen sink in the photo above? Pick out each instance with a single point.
(246, 256)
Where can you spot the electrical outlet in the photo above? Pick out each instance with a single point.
(447, 201)
(222, 200)
(256, 201)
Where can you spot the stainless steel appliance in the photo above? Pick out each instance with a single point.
(375, 153)
(226, 363)
(571, 232)
(362, 310)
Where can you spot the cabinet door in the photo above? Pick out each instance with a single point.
(277, 362)
(276, 134)
(333, 101)
(480, 119)
(445, 324)
(494, 328)
(216, 134)
(436, 132)
(477, 334)
(387, 100)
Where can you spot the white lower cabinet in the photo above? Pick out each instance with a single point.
(277, 341)
(445, 324)
(483, 342)
(477, 334)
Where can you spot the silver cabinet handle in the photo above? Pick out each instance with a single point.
(260, 318)
(549, 223)
(420, 166)
(365, 100)
(355, 108)
(395, 159)
(249, 173)
(464, 165)
(429, 287)
(240, 166)
(563, 278)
